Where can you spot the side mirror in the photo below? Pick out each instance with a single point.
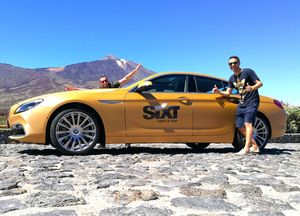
(142, 86)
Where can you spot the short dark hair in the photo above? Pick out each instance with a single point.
(236, 57)
(102, 75)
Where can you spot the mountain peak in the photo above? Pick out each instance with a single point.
(111, 57)
(120, 62)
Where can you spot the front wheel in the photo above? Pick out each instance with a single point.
(261, 134)
(74, 131)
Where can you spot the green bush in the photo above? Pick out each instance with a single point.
(2, 120)
(293, 119)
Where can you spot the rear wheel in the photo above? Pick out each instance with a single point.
(197, 146)
(74, 131)
(261, 134)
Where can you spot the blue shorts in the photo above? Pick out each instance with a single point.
(245, 114)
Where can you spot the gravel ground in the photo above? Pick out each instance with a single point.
(150, 179)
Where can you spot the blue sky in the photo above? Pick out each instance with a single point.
(163, 35)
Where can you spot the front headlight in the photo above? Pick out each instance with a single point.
(29, 105)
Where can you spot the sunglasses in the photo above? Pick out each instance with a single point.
(103, 81)
(232, 63)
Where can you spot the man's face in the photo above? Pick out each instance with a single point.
(103, 82)
(234, 64)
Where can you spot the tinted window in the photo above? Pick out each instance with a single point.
(206, 84)
(168, 83)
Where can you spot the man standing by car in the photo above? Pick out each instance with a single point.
(104, 83)
(246, 82)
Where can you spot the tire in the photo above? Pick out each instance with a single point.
(261, 130)
(74, 131)
(197, 146)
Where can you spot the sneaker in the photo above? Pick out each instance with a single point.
(242, 152)
(254, 150)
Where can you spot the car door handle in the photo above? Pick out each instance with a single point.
(185, 100)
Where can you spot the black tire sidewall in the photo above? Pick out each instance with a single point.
(238, 142)
(56, 144)
(197, 146)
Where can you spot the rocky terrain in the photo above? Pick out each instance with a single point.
(37, 180)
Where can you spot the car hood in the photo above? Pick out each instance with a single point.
(73, 94)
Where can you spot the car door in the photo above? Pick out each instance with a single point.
(164, 109)
(213, 114)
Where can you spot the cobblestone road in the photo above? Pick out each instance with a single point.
(149, 180)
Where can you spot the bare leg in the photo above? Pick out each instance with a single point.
(246, 148)
(249, 132)
(243, 132)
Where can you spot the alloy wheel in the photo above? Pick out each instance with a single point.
(74, 131)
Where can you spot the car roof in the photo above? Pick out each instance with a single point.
(187, 73)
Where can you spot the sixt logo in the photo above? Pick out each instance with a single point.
(168, 112)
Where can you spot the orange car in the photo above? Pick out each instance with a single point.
(163, 108)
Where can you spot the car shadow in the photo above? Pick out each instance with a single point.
(155, 151)
(277, 151)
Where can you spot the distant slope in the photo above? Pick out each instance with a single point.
(17, 84)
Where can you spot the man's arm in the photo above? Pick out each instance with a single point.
(223, 93)
(72, 88)
(257, 85)
(130, 75)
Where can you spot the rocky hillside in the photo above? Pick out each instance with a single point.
(17, 83)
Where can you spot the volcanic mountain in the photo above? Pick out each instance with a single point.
(18, 83)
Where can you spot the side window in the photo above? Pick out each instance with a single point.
(206, 84)
(168, 83)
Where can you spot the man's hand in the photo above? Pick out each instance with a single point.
(248, 88)
(71, 88)
(215, 89)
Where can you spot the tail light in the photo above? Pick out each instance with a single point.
(278, 103)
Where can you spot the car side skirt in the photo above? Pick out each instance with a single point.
(170, 139)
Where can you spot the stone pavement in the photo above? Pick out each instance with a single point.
(149, 180)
